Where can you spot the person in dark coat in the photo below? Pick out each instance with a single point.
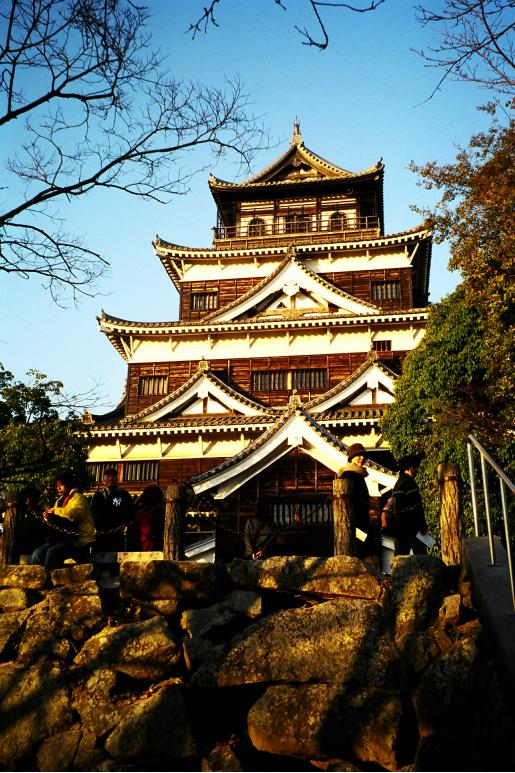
(260, 535)
(409, 508)
(112, 507)
(354, 474)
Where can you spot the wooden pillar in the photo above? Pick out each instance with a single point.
(343, 522)
(172, 528)
(450, 513)
(10, 531)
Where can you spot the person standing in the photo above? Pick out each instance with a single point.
(260, 534)
(112, 508)
(78, 536)
(409, 509)
(356, 491)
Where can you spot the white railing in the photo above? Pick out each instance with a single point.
(505, 485)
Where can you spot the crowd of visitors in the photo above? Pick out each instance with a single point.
(112, 520)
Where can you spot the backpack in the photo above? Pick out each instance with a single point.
(391, 517)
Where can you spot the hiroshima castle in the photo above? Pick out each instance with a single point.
(293, 327)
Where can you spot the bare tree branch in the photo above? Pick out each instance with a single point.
(95, 108)
(476, 42)
(321, 40)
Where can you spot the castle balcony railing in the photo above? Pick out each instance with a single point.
(303, 232)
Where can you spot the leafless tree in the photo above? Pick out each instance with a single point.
(321, 40)
(86, 104)
(476, 42)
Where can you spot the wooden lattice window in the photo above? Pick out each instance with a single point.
(270, 380)
(140, 471)
(382, 346)
(301, 513)
(310, 378)
(296, 223)
(256, 227)
(96, 470)
(337, 221)
(204, 301)
(153, 385)
(386, 291)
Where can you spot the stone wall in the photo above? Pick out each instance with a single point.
(285, 664)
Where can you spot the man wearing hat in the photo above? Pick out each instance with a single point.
(408, 502)
(354, 474)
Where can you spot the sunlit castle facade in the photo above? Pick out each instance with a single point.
(292, 330)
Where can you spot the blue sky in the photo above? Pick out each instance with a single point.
(363, 98)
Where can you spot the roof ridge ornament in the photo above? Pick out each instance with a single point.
(294, 401)
(296, 138)
(203, 366)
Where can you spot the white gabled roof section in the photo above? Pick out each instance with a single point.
(291, 287)
(371, 383)
(202, 393)
(295, 429)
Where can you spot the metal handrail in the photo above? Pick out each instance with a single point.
(504, 483)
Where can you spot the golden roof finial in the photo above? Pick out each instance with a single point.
(203, 365)
(296, 138)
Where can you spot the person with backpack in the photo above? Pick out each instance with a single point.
(356, 490)
(403, 513)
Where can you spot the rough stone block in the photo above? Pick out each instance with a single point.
(331, 641)
(37, 703)
(144, 650)
(58, 752)
(72, 573)
(14, 599)
(28, 577)
(186, 581)
(333, 576)
(246, 602)
(155, 728)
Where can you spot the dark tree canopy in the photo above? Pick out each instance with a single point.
(94, 107)
(40, 432)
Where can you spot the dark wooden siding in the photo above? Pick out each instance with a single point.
(356, 283)
(238, 374)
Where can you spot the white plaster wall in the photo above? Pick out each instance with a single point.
(270, 344)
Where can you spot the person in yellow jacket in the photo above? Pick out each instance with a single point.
(74, 532)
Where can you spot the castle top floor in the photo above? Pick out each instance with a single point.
(299, 198)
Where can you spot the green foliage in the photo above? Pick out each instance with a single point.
(39, 433)
(461, 379)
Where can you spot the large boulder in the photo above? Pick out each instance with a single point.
(58, 752)
(144, 650)
(155, 729)
(72, 573)
(28, 576)
(333, 576)
(72, 611)
(11, 626)
(186, 582)
(14, 599)
(34, 704)
(93, 702)
(330, 642)
(417, 590)
(322, 720)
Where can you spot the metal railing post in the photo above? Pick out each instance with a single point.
(508, 542)
(487, 510)
(470, 454)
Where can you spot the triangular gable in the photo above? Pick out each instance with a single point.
(292, 287)
(295, 429)
(203, 393)
(371, 383)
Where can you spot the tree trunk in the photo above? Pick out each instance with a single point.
(343, 522)
(172, 528)
(10, 531)
(450, 513)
